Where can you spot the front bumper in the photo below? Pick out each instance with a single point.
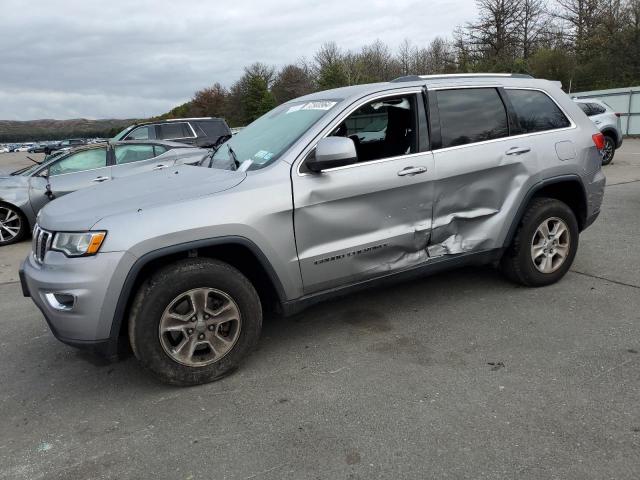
(94, 283)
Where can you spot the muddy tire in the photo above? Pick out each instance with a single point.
(194, 321)
(544, 246)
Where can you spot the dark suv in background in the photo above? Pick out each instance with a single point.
(193, 131)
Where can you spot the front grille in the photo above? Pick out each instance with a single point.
(41, 243)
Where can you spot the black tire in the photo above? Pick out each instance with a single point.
(156, 293)
(518, 264)
(10, 211)
(609, 149)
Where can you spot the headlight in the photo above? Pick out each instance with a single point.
(78, 244)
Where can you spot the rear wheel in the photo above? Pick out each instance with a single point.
(544, 246)
(13, 224)
(194, 321)
(609, 150)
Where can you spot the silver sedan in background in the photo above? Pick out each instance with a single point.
(24, 192)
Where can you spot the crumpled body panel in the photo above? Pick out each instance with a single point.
(362, 222)
(470, 207)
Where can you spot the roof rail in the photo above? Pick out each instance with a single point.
(416, 78)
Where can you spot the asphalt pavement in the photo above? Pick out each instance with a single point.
(459, 375)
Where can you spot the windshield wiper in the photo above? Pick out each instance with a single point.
(233, 156)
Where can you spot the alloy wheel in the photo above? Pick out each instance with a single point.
(608, 150)
(200, 326)
(550, 245)
(10, 224)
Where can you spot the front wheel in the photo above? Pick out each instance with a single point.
(544, 246)
(13, 224)
(194, 321)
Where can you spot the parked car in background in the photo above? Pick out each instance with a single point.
(25, 147)
(296, 208)
(4, 149)
(64, 144)
(37, 148)
(25, 191)
(607, 121)
(193, 131)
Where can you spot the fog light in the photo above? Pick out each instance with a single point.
(60, 301)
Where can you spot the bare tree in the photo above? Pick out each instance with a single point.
(494, 36)
(533, 25)
(582, 17)
(404, 57)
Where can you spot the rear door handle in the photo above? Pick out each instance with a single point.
(411, 171)
(160, 167)
(100, 179)
(518, 150)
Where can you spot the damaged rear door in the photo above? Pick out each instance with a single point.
(480, 171)
(373, 217)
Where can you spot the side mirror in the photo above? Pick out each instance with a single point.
(332, 152)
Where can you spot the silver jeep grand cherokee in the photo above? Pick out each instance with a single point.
(325, 194)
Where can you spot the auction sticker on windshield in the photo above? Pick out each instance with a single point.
(320, 105)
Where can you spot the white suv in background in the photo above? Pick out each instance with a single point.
(607, 120)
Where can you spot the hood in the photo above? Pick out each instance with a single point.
(81, 210)
(13, 181)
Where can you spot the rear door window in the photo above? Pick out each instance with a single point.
(469, 115)
(159, 149)
(585, 108)
(536, 111)
(133, 153)
(170, 131)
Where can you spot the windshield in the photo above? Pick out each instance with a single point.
(30, 170)
(121, 135)
(264, 140)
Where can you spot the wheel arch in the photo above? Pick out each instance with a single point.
(611, 132)
(20, 211)
(238, 252)
(566, 188)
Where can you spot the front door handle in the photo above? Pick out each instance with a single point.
(160, 167)
(100, 179)
(518, 150)
(411, 171)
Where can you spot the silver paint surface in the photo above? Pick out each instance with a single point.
(320, 231)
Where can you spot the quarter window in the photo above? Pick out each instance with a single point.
(536, 111)
(471, 115)
(133, 153)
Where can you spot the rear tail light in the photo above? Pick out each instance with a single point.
(617, 114)
(598, 140)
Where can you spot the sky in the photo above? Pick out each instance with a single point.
(132, 59)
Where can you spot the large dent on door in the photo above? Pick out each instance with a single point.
(470, 209)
